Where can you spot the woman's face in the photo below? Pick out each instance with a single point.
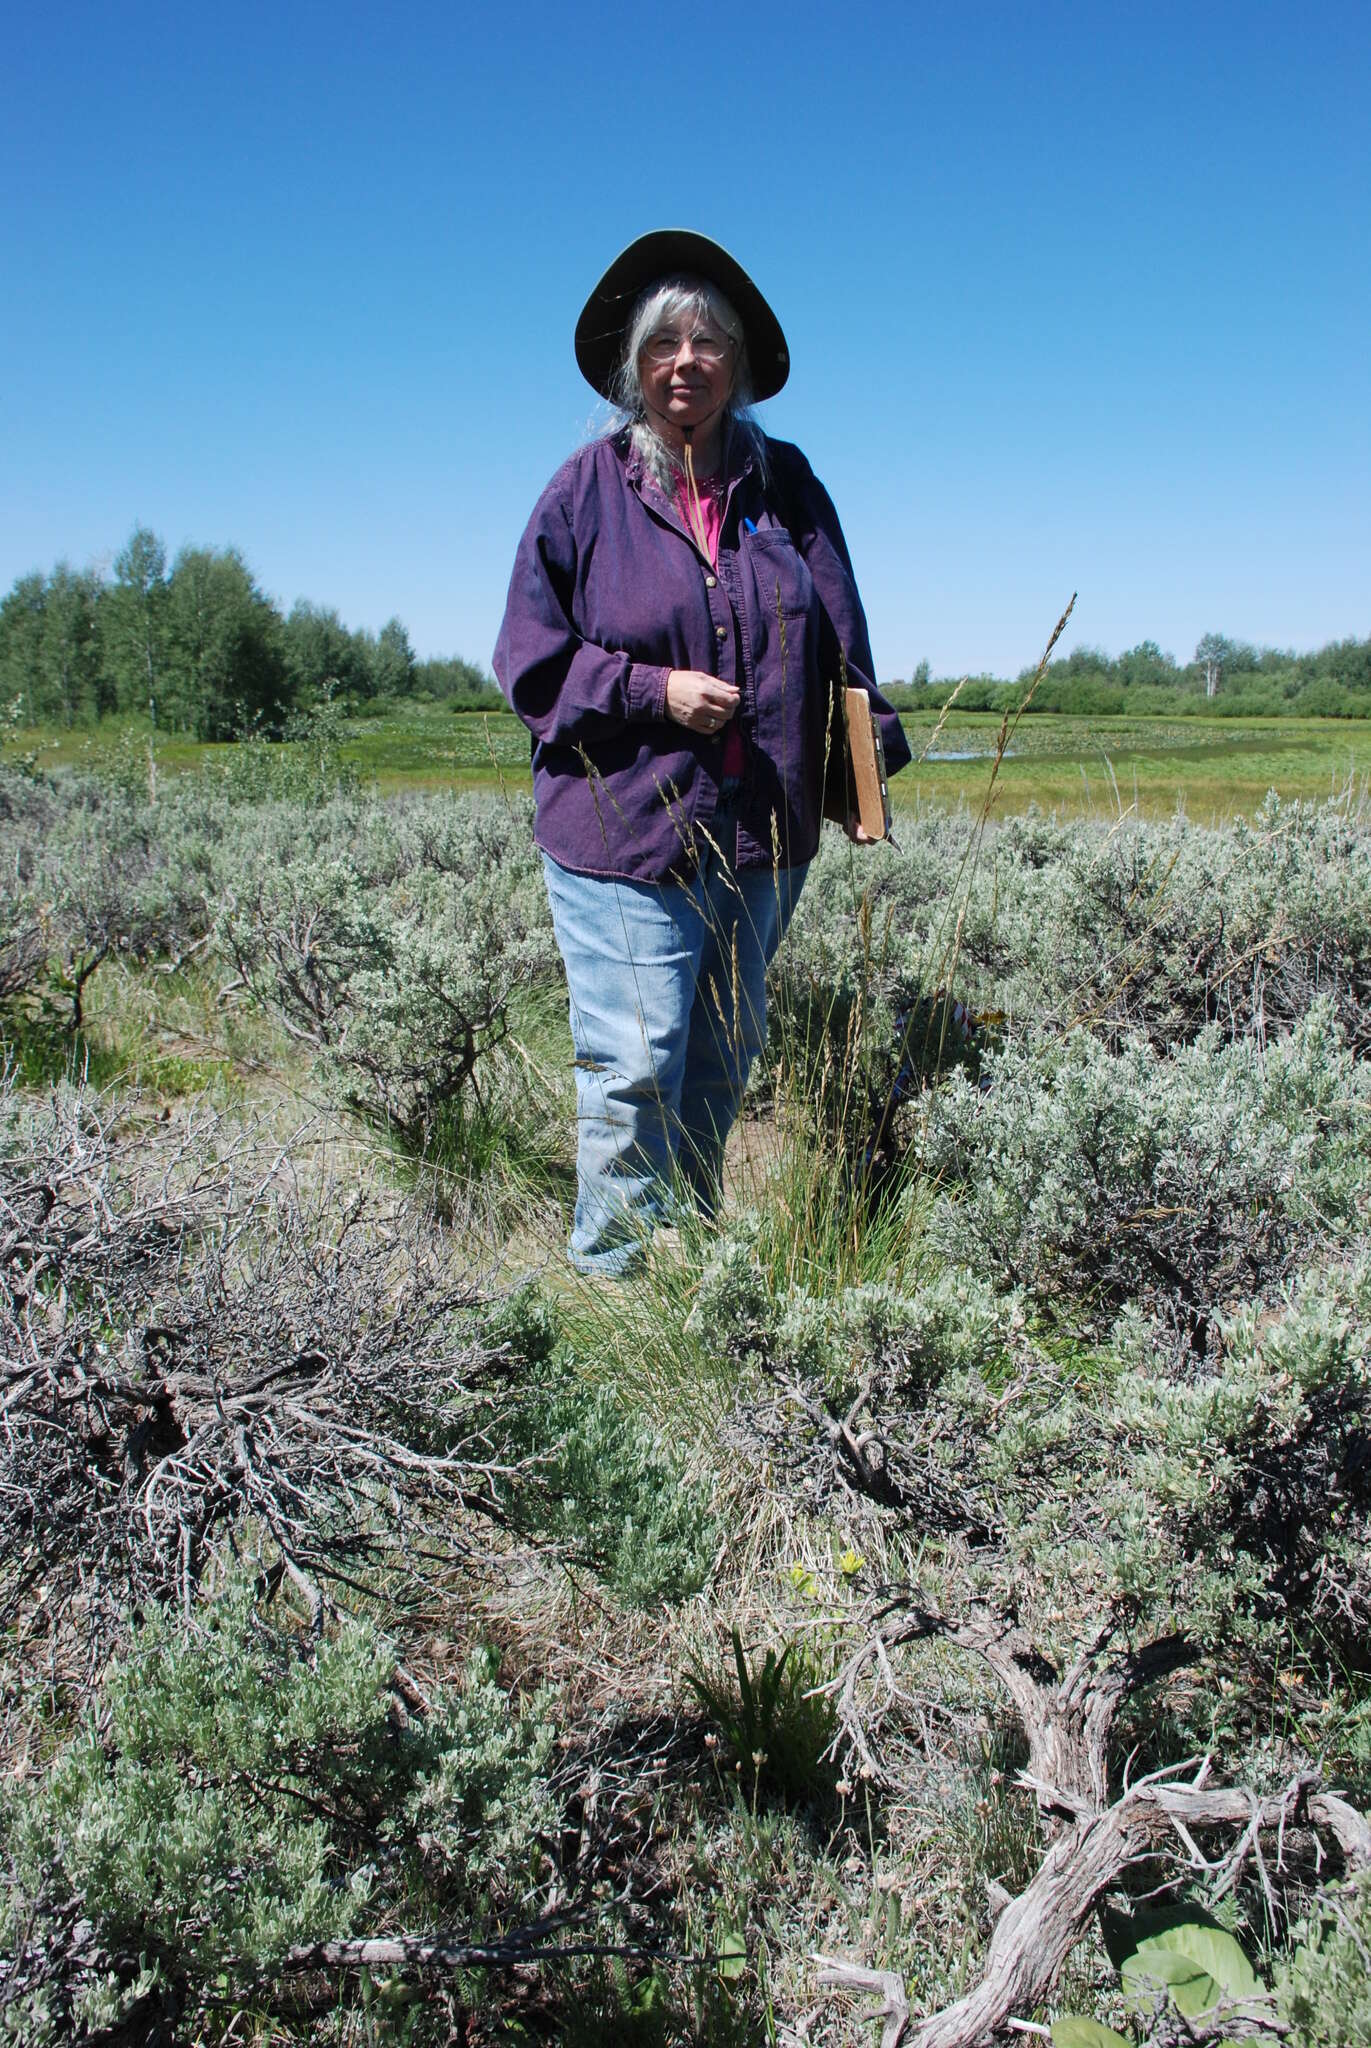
(686, 370)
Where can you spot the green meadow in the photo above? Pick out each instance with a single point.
(1207, 769)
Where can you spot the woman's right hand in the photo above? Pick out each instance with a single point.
(701, 703)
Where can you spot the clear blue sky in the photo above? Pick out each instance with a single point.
(1078, 296)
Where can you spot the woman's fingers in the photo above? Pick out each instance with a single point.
(702, 703)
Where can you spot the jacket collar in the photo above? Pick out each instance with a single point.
(639, 475)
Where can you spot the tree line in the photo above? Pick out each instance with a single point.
(1225, 677)
(198, 647)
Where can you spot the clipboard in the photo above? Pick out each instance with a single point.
(863, 790)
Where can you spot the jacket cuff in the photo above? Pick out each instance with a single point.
(647, 691)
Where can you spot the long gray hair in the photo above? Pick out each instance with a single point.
(672, 299)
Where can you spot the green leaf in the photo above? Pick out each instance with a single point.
(744, 1679)
(1198, 1965)
(1070, 2031)
(732, 1956)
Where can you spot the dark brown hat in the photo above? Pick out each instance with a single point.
(676, 252)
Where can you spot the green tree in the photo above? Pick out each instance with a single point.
(134, 622)
(464, 682)
(229, 670)
(1144, 664)
(1218, 656)
(21, 648)
(321, 656)
(393, 665)
(1347, 662)
(72, 681)
(1209, 653)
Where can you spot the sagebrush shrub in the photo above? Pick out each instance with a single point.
(1184, 1183)
(1259, 1471)
(1149, 930)
(1325, 1990)
(241, 1791)
(615, 1494)
(839, 1337)
(397, 961)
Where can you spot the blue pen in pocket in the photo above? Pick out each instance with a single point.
(749, 526)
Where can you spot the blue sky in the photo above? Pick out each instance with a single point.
(1078, 297)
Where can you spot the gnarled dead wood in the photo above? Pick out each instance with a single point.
(1067, 1721)
(190, 1348)
(1035, 1933)
(1066, 1718)
(894, 2006)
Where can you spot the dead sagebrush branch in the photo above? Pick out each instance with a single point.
(197, 1359)
(1093, 1839)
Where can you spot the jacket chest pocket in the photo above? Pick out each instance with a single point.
(780, 572)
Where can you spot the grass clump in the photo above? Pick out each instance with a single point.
(777, 1723)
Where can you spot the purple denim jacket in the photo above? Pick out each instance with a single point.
(609, 593)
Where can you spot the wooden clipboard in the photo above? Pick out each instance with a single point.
(862, 790)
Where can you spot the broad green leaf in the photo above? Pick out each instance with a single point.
(1072, 2032)
(1125, 1933)
(1197, 1965)
(1153, 1970)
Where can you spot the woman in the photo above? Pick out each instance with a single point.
(681, 613)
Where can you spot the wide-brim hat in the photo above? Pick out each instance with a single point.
(666, 253)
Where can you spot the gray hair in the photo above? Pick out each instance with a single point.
(672, 299)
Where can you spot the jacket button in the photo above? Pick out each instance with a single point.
(710, 582)
(721, 632)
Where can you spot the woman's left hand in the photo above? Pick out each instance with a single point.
(702, 703)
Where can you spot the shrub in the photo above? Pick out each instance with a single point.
(615, 1493)
(901, 1339)
(1260, 1471)
(1182, 1183)
(305, 766)
(869, 1391)
(97, 873)
(1152, 930)
(241, 1793)
(397, 961)
(1325, 1992)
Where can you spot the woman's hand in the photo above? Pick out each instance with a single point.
(699, 702)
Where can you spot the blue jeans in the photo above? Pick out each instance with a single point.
(668, 1010)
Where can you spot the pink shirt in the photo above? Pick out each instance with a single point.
(712, 520)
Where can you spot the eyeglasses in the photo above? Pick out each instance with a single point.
(664, 347)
